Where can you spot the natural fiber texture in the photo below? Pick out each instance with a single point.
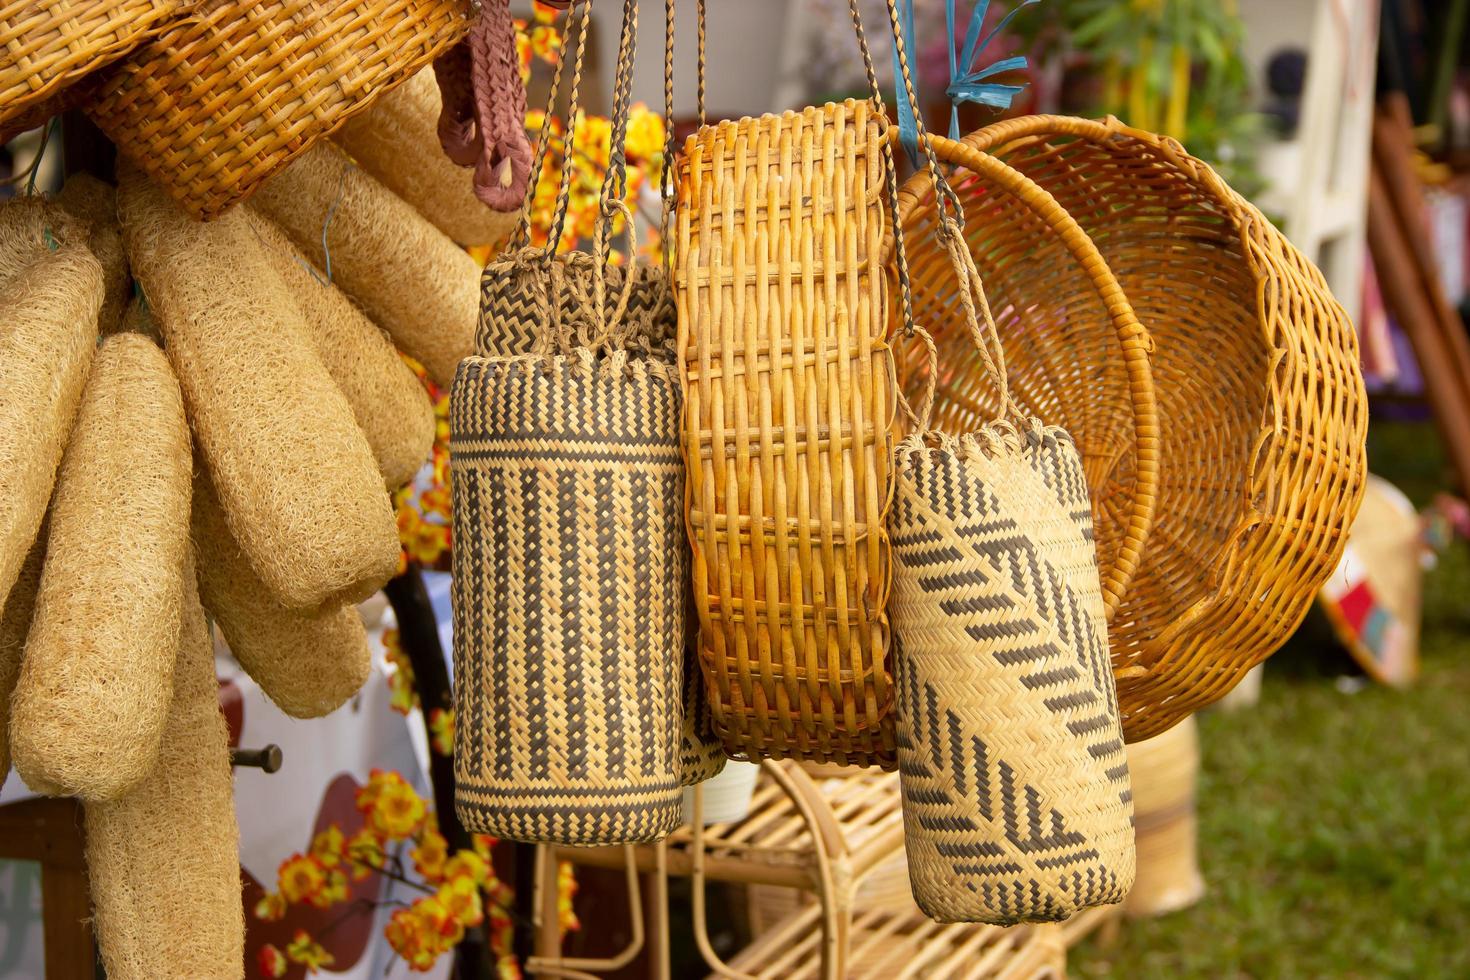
(163, 861)
(47, 47)
(396, 141)
(94, 690)
(569, 597)
(48, 323)
(94, 205)
(409, 278)
(15, 623)
(1015, 785)
(787, 430)
(136, 319)
(390, 405)
(1075, 353)
(228, 96)
(296, 476)
(32, 228)
(308, 663)
(1260, 402)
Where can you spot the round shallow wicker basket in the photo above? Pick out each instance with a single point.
(233, 92)
(1076, 355)
(47, 47)
(1260, 399)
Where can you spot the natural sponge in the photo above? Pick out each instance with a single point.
(163, 861)
(94, 205)
(48, 326)
(15, 623)
(94, 688)
(294, 472)
(390, 405)
(409, 277)
(308, 663)
(397, 141)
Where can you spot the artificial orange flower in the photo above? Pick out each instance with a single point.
(430, 855)
(566, 892)
(271, 961)
(397, 811)
(365, 851)
(468, 866)
(271, 907)
(441, 727)
(327, 846)
(406, 935)
(461, 899)
(308, 952)
(301, 878)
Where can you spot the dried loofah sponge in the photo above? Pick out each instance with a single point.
(94, 205)
(308, 663)
(390, 405)
(15, 623)
(397, 141)
(95, 684)
(31, 228)
(163, 861)
(411, 279)
(48, 328)
(294, 472)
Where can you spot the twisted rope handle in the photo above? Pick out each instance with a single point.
(615, 187)
(978, 317)
(483, 123)
(521, 238)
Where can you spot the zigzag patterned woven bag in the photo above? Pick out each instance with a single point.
(1015, 785)
(1016, 800)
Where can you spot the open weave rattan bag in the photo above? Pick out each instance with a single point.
(1261, 409)
(569, 560)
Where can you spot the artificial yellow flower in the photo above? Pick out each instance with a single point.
(430, 854)
(461, 899)
(441, 727)
(468, 865)
(645, 141)
(308, 952)
(271, 907)
(327, 846)
(566, 892)
(397, 811)
(301, 877)
(365, 851)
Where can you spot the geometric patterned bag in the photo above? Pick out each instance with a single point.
(570, 561)
(1016, 799)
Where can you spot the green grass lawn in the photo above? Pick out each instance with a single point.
(1334, 827)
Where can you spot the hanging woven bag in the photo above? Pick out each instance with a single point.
(789, 411)
(569, 557)
(1016, 800)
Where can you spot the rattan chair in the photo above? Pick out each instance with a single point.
(1261, 409)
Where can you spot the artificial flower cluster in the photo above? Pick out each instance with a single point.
(459, 890)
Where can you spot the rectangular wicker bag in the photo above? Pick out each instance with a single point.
(789, 407)
(1016, 799)
(570, 566)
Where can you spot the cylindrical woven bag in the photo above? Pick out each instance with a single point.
(396, 141)
(163, 862)
(94, 689)
(701, 753)
(230, 94)
(308, 663)
(94, 205)
(48, 309)
(15, 623)
(390, 405)
(569, 563)
(788, 430)
(1014, 780)
(47, 47)
(411, 279)
(296, 475)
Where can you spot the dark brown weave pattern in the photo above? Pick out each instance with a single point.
(1017, 803)
(570, 567)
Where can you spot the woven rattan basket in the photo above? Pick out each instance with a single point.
(1076, 355)
(788, 429)
(227, 96)
(47, 46)
(1260, 400)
